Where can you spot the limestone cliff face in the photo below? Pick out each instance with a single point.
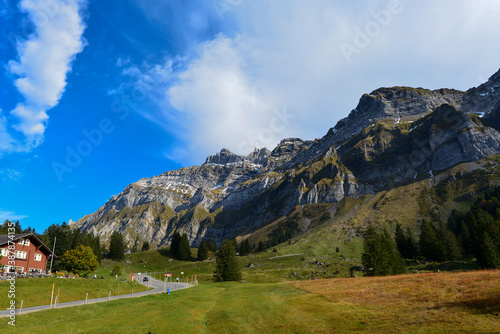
(394, 136)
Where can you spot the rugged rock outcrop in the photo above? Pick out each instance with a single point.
(395, 136)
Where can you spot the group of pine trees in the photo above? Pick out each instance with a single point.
(475, 234)
(380, 254)
(478, 231)
(206, 249)
(179, 246)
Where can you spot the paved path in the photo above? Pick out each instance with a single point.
(156, 285)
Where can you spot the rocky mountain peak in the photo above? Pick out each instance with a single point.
(289, 146)
(259, 156)
(224, 157)
(395, 103)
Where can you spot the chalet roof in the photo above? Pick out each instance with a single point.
(5, 238)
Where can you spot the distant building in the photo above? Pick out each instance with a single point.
(30, 254)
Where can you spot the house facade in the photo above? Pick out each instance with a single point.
(23, 253)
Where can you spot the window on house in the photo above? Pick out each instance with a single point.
(26, 242)
(20, 255)
(5, 252)
(38, 257)
(21, 242)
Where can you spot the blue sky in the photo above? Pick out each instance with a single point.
(96, 95)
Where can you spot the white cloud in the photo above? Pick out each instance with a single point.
(10, 215)
(286, 54)
(44, 60)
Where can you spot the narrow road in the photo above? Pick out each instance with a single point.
(156, 285)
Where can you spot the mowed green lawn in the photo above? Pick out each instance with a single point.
(423, 303)
(209, 308)
(37, 291)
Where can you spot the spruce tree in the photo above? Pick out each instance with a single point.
(431, 245)
(226, 263)
(245, 247)
(411, 245)
(203, 251)
(145, 246)
(394, 263)
(371, 256)
(261, 247)
(401, 241)
(117, 247)
(380, 254)
(450, 242)
(184, 248)
(175, 243)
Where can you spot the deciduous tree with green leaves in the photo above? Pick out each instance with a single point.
(80, 260)
(117, 270)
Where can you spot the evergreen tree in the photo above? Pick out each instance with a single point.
(104, 251)
(406, 243)
(203, 251)
(145, 246)
(77, 239)
(380, 255)
(490, 252)
(371, 256)
(450, 243)
(226, 265)
(261, 247)
(401, 241)
(211, 245)
(394, 263)
(62, 236)
(411, 245)
(484, 233)
(431, 245)
(184, 252)
(175, 244)
(117, 247)
(245, 247)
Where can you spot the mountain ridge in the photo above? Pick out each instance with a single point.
(395, 136)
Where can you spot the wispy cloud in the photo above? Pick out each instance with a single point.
(44, 60)
(10, 215)
(8, 174)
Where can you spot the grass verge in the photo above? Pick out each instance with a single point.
(37, 291)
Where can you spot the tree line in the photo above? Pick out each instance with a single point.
(474, 234)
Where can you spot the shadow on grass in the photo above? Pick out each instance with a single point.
(165, 252)
(489, 305)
